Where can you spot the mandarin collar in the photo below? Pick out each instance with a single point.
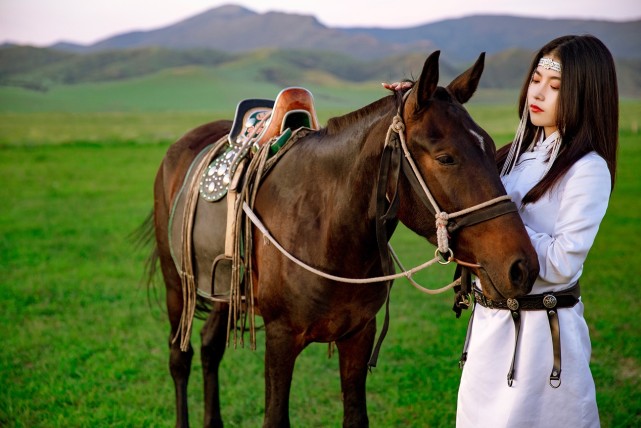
(544, 143)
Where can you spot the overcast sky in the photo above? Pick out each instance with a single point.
(43, 22)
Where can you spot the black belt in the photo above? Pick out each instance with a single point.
(549, 302)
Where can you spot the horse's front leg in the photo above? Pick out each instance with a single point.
(213, 335)
(354, 353)
(281, 351)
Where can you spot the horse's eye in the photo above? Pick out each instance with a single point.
(445, 160)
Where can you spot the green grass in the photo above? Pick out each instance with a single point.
(180, 89)
(83, 344)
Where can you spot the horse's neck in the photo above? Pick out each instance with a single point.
(361, 134)
(353, 151)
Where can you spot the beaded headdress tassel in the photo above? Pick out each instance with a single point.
(515, 150)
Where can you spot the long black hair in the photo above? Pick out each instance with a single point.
(588, 109)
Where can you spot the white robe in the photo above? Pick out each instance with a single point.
(562, 226)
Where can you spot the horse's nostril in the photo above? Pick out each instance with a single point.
(518, 273)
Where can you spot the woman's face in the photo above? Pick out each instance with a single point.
(543, 96)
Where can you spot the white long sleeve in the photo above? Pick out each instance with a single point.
(582, 198)
(564, 222)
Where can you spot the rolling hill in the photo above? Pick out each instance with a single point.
(294, 50)
(41, 69)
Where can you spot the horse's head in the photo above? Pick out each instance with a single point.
(455, 158)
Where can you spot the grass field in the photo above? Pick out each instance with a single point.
(84, 342)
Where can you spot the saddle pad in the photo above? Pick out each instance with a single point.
(208, 237)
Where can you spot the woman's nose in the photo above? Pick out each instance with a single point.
(538, 95)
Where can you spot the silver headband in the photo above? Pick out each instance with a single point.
(550, 64)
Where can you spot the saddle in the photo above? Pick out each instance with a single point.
(217, 174)
(256, 123)
(260, 120)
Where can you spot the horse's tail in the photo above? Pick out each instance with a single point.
(142, 238)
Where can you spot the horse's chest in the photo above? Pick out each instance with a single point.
(331, 314)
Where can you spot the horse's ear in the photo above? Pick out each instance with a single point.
(463, 87)
(429, 79)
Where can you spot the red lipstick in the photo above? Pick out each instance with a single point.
(535, 109)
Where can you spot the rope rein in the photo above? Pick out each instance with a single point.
(257, 168)
(406, 273)
(442, 220)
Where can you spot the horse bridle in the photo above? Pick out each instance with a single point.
(446, 223)
(386, 219)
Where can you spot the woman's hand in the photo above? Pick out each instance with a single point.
(397, 86)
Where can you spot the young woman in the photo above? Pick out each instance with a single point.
(526, 361)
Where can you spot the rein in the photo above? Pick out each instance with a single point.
(386, 221)
(478, 213)
(405, 274)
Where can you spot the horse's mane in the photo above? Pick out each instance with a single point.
(382, 106)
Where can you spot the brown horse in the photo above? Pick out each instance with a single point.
(320, 202)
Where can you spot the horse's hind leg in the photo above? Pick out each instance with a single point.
(354, 355)
(214, 336)
(179, 361)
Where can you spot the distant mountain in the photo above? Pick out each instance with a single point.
(38, 68)
(236, 29)
(287, 49)
(464, 38)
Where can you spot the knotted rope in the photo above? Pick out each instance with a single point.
(442, 218)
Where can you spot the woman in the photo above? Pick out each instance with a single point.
(527, 360)
(530, 366)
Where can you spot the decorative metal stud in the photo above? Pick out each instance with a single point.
(549, 301)
(513, 304)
